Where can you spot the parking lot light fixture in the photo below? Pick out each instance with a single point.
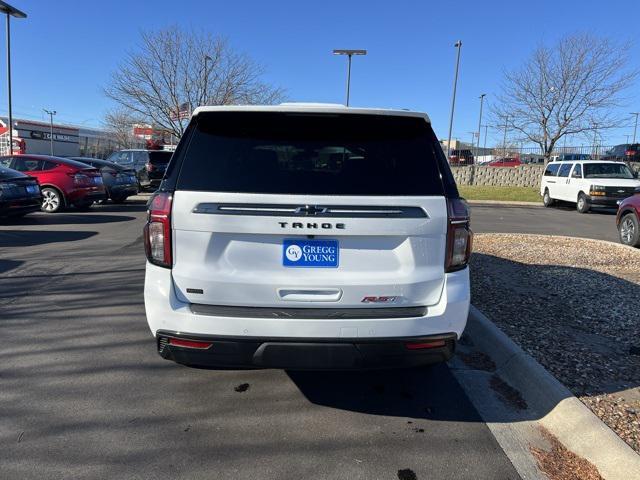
(349, 54)
(10, 11)
(51, 113)
(458, 45)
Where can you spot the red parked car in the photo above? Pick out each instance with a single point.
(63, 182)
(628, 220)
(505, 162)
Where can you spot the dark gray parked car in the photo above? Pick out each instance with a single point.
(149, 165)
(121, 182)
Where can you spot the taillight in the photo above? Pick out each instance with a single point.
(157, 231)
(459, 235)
(630, 153)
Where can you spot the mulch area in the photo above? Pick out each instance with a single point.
(574, 305)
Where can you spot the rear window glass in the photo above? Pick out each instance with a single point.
(324, 154)
(159, 156)
(6, 173)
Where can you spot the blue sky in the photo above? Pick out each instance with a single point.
(64, 52)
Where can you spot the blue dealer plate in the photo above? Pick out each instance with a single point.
(310, 253)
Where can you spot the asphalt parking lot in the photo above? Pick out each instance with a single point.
(599, 224)
(84, 394)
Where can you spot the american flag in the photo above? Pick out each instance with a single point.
(183, 112)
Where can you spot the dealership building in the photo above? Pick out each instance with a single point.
(31, 136)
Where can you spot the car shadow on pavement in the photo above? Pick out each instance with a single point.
(568, 207)
(66, 218)
(419, 393)
(28, 238)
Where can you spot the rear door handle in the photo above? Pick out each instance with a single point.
(310, 295)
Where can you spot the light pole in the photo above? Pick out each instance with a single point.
(10, 11)
(207, 59)
(51, 113)
(482, 95)
(349, 53)
(635, 128)
(627, 139)
(458, 45)
(486, 128)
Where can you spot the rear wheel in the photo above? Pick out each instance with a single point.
(51, 200)
(119, 199)
(629, 230)
(582, 205)
(546, 199)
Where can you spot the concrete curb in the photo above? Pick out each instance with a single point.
(505, 203)
(554, 406)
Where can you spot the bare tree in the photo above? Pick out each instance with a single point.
(174, 71)
(571, 88)
(120, 123)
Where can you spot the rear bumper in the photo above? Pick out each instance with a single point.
(448, 317)
(20, 206)
(123, 190)
(302, 354)
(90, 194)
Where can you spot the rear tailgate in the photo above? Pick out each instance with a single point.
(309, 210)
(239, 258)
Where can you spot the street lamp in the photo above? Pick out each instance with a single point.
(458, 45)
(51, 113)
(10, 11)
(636, 126)
(480, 121)
(349, 53)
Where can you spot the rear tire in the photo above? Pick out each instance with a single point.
(547, 201)
(583, 205)
(629, 230)
(119, 199)
(52, 200)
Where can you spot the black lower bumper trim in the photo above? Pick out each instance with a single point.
(305, 353)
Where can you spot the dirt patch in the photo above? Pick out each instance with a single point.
(478, 361)
(558, 463)
(509, 395)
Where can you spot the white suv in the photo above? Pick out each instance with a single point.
(587, 183)
(307, 237)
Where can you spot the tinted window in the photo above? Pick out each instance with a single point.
(565, 168)
(160, 156)
(552, 170)
(607, 170)
(5, 161)
(120, 157)
(577, 171)
(46, 165)
(140, 158)
(331, 154)
(27, 164)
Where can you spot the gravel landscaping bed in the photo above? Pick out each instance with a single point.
(574, 305)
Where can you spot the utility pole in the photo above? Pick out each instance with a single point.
(635, 128)
(480, 121)
(504, 142)
(51, 113)
(207, 59)
(486, 128)
(458, 45)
